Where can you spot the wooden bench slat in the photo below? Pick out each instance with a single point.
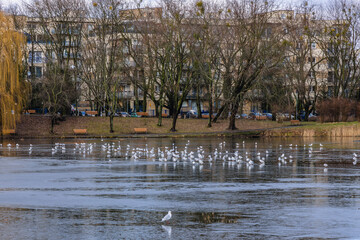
(140, 130)
(91, 113)
(261, 117)
(80, 131)
(294, 122)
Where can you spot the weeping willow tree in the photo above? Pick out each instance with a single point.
(12, 95)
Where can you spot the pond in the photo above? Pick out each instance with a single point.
(229, 188)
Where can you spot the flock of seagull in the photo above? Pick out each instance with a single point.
(195, 155)
(187, 154)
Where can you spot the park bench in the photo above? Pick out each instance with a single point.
(140, 130)
(80, 131)
(142, 114)
(31, 111)
(8, 131)
(91, 113)
(260, 117)
(165, 115)
(294, 122)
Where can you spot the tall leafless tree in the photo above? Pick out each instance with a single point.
(102, 54)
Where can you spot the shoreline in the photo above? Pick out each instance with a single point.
(38, 127)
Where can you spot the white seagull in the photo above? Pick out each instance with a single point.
(167, 217)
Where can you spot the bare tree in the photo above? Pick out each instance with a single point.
(56, 27)
(206, 52)
(102, 54)
(251, 47)
(177, 65)
(167, 40)
(339, 42)
(304, 61)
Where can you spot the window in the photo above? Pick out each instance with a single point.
(65, 54)
(330, 77)
(311, 74)
(37, 57)
(313, 45)
(31, 26)
(283, 15)
(267, 32)
(37, 71)
(330, 91)
(311, 59)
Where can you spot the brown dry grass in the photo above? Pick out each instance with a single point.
(39, 126)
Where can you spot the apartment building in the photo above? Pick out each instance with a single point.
(61, 41)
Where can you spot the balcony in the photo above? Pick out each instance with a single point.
(125, 94)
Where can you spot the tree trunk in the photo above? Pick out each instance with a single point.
(234, 109)
(156, 109)
(226, 94)
(171, 104)
(219, 113)
(198, 102)
(52, 124)
(173, 127)
(160, 115)
(210, 111)
(111, 122)
(144, 103)
(307, 113)
(225, 112)
(136, 93)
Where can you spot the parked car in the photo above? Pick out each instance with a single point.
(191, 114)
(288, 117)
(124, 114)
(268, 115)
(253, 115)
(244, 115)
(313, 117)
(134, 115)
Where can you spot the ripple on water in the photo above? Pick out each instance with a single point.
(73, 195)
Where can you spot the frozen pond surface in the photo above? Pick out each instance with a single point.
(121, 189)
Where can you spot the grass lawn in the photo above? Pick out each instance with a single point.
(39, 126)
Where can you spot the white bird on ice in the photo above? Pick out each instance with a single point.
(167, 217)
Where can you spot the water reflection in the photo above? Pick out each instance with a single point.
(216, 188)
(168, 229)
